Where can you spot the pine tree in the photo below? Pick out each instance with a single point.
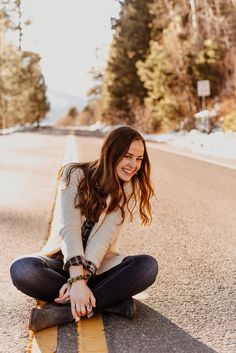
(22, 87)
(153, 74)
(130, 44)
(166, 78)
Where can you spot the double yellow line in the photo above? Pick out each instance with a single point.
(91, 338)
(91, 335)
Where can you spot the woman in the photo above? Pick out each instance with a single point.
(83, 269)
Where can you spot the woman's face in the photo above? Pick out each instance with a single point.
(131, 162)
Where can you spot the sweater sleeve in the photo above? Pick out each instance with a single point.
(70, 217)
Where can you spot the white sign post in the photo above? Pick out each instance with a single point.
(203, 90)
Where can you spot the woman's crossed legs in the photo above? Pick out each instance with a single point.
(42, 277)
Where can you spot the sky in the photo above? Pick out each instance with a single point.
(71, 36)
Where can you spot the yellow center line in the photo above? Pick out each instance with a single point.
(44, 341)
(91, 335)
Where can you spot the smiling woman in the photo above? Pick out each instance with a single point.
(88, 271)
(131, 162)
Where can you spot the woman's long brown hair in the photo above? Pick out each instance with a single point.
(101, 180)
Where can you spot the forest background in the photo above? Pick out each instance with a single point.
(160, 49)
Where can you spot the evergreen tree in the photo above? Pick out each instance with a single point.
(160, 49)
(166, 78)
(207, 64)
(22, 87)
(130, 44)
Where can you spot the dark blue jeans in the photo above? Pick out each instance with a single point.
(41, 277)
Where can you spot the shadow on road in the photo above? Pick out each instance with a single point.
(149, 332)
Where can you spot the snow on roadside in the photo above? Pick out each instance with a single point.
(216, 144)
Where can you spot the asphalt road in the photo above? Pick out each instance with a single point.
(28, 164)
(191, 307)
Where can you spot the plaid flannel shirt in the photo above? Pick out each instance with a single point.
(80, 260)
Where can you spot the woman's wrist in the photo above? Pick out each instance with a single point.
(87, 272)
(84, 277)
(76, 270)
(78, 284)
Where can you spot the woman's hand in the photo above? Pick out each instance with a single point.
(64, 294)
(81, 298)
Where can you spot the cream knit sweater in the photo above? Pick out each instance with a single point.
(103, 242)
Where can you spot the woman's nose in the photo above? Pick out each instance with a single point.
(133, 163)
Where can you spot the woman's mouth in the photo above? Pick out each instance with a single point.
(128, 172)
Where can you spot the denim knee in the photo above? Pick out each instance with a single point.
(148, 267)
(152, 265)
(22, 269)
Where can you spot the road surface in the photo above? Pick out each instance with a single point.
(191, 307)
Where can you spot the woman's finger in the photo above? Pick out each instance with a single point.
(62, 291)
(80, 309)
(77, 309)
(66, 294)
(62, 299)
(89, 307)
(73, 310)
(93, 300)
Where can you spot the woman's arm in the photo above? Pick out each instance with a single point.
(72, 245)
(80, 294)
(70, 217)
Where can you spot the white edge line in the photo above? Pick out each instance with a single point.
(167, 148)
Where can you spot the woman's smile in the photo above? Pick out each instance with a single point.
(128, 171)
(131, 161)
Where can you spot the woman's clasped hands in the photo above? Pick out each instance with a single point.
(80, 296)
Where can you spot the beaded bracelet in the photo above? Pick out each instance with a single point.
(78, 278)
